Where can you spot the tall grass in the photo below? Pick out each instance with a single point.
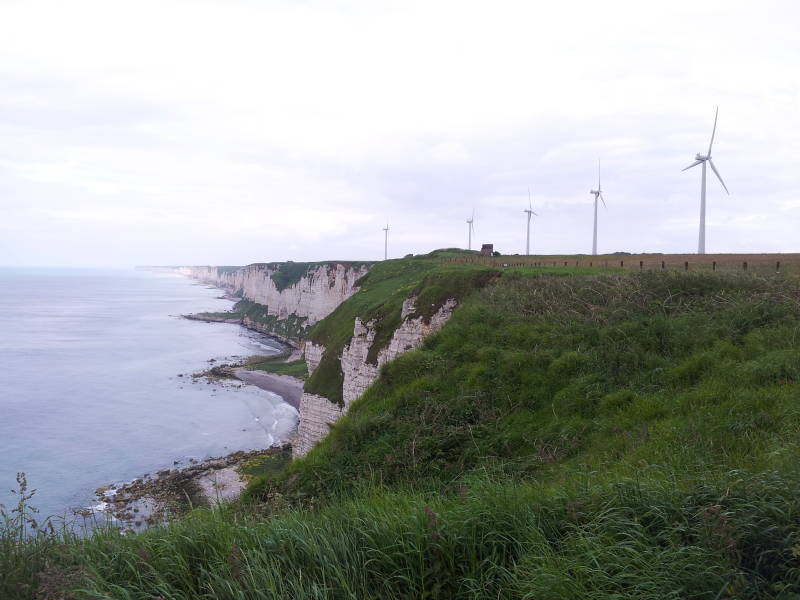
(36, 558)
(598, 437)
(682, 373)
(731, 536)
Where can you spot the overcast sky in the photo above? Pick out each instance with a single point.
(232, 132)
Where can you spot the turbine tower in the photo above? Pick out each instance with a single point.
(471, 229)
(598, 193)
(386, 242)
(529, 212)
(701, 159)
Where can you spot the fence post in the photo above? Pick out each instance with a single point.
(714, 266)
(744, 266)
(663, 265)
(778, 267)
(641, 265)
(621, 264)
(686, 265)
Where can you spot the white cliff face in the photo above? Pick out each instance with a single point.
(318, 413)
(314, 296)
(357, 372)
(313, 354)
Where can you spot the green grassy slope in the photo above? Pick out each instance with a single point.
(585, 436)
(618, 374)
(292, 327)
(380, 299)
(278, 365)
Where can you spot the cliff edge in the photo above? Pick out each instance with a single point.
(282, 299)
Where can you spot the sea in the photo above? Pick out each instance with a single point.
(96, 386)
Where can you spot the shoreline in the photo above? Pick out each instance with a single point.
(155, 499)
(151, 500)
(289, 388)
(294, 346)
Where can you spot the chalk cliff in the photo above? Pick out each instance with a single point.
(304, 293)
(397, 305)
(317, 413)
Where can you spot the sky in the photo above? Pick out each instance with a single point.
(178, 132)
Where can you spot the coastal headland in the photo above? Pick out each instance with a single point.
(474, 429)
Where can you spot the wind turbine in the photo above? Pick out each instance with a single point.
(386, 241)
(529, 212)
(701, 159)
(471, 229)
(598, 193)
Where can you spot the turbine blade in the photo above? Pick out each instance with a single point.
(713, 168)
(530, 206)
(713, 131)
(603, 199)
(694, 164)
(537, 214)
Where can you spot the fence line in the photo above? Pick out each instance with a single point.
(631, 263)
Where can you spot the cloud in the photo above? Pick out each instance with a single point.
(450, 152)
(237, 132)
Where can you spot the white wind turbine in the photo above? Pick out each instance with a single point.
(598, 193)
(386, 242)
(529, 212)
(471, 229)
(701, 159)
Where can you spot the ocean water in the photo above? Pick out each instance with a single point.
(89, 387)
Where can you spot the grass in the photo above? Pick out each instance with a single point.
(615, 373)
(266, 465)
(225, 315)
(599, 436)
(494, 539)
(257, 316)
(36, 559)
(279, 366)
(380, 298)
(763, 264)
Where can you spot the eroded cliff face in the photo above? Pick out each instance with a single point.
(313, 354)
(312, 297)
(317, 413)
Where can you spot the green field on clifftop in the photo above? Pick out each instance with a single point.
(566, 435)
